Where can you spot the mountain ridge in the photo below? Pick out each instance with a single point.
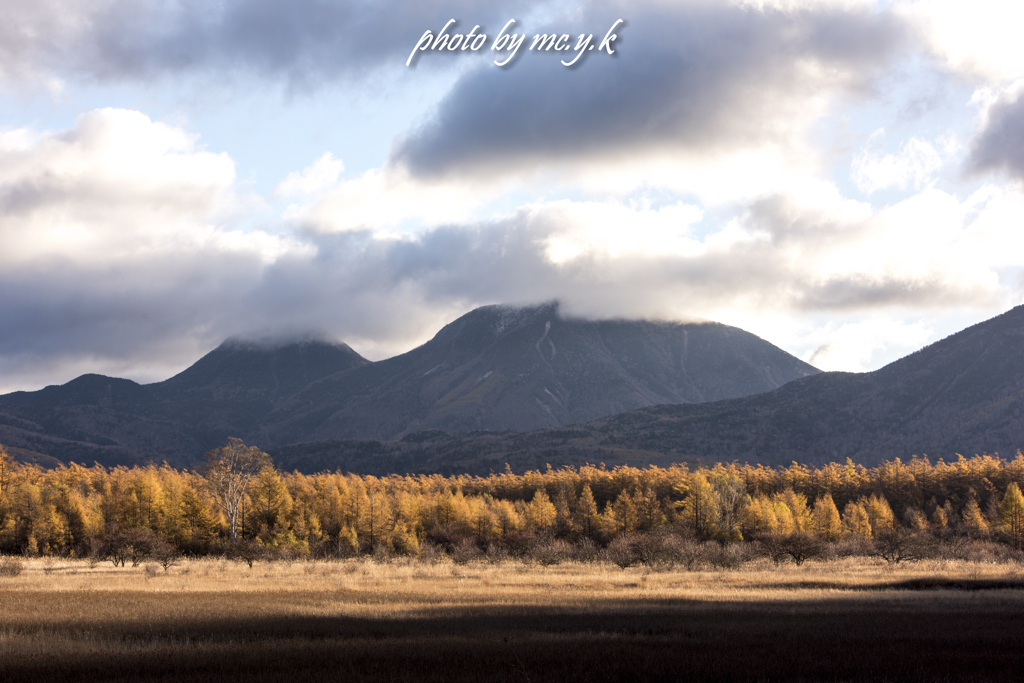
(961, 395)
(494, 368)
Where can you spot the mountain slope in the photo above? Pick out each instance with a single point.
(495, 368)
(964, 394)
(117, 421)
(499, 368)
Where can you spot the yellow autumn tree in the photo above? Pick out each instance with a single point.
(699, 507)
(586, 515)
(798, 508)
(1011, 514)
(880, 514)
(270, 504)
(856, 521)
(825, 518)
(974, 521)
(759, 517)
(508, 518)
(787, 523)
(540, 513)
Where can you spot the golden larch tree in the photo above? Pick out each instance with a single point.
(1011, 514)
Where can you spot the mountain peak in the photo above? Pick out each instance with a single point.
(275, 343)
(523, 367)
(271, 367)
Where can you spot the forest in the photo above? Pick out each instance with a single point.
(626, 514)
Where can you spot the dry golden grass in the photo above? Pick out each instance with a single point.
(851, 619)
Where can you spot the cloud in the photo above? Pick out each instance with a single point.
(685, 177)
(382, 200)
(302, 42)
(980, 40)
(695, 78)
(321, 175)
(384, 295)
(605, 258)
(114, 238)
(853, 346)
(1000, 144)
(913, 166)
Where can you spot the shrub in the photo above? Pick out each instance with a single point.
(622, 551)
(683, 550)
(725, 555)
(519, 544)
(466, 551)
(249, 551)
(585, 550)
(899, 545)
(797, 546)
(552, 551)
(854, 546)
(382, 553)
(430, 553)
(165, 554)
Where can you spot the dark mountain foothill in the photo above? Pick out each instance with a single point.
(494, 369)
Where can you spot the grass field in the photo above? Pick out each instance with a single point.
(845, 620)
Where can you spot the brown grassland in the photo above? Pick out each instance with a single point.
(850, 619)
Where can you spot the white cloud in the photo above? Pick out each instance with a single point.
(603, 230)
(117, 188)
(912, 167)
(321, 175)
(854, 346)
(979, 38)
(387, 200)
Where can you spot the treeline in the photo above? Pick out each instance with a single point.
(80, 511)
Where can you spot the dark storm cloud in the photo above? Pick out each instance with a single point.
(696, 76)
(1000, 146)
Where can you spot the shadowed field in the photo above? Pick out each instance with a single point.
(843, 621)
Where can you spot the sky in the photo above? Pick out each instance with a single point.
(844, 179)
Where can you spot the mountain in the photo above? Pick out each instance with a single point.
(500, 368)
(495, 368)
(964, 394)
(117, 421)
(961, 395)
